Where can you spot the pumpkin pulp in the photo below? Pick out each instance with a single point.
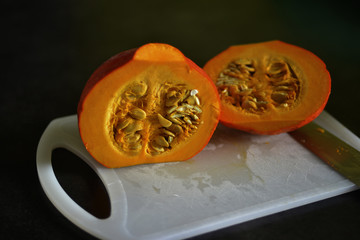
(270, 87)
(147, 105)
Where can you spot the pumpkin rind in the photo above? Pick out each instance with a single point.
(308, 70)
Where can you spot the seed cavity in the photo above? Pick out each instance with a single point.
(255, 85)
(154, 118)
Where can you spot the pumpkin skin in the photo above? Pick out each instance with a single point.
(126, 106)
(269, 88)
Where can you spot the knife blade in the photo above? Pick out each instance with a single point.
(339, 155)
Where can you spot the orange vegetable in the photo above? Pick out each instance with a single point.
(270, 87)
(147, 105)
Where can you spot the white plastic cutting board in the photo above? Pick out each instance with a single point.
(236, 178)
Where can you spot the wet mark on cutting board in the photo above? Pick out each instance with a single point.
(224, 159)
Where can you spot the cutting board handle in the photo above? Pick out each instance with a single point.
(63, 133)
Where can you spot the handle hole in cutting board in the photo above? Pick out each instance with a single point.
(81, 183)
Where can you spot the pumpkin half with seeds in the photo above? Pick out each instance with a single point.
(270, 87)
(147, 105)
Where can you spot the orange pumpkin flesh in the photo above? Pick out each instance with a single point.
(270, 87)
(147, 105)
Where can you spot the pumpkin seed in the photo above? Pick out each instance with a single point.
(197, 100)
(224, 92)
(187, 120)
(243, 61)
(185, 95)
(197, 109)
(167, 132)
(176, 128)
(285, 82)
(163, 121)
(134, 146)
(161, 141)
(283, 88)
(133, 127)
(279, 97)
(132, 137)
(156, 147)
(130, 96)
(261, 104)
(171, 101)
(277, 67)
(139, 89)
(176, 115)
(249, 104)
(138, 113)
(176, 121)
(171, 109)
(123, 124)
(188, 106)
(190, 100)
(182, 108)
(194, 92)
(196, 118)
(172, 93)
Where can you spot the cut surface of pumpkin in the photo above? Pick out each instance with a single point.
(270, 87)
(147, 105)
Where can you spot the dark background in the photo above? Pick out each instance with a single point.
(50, 48)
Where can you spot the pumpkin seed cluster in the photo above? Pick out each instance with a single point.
(155, 118)
(256, 86)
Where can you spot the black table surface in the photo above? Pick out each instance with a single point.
(52, 47)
